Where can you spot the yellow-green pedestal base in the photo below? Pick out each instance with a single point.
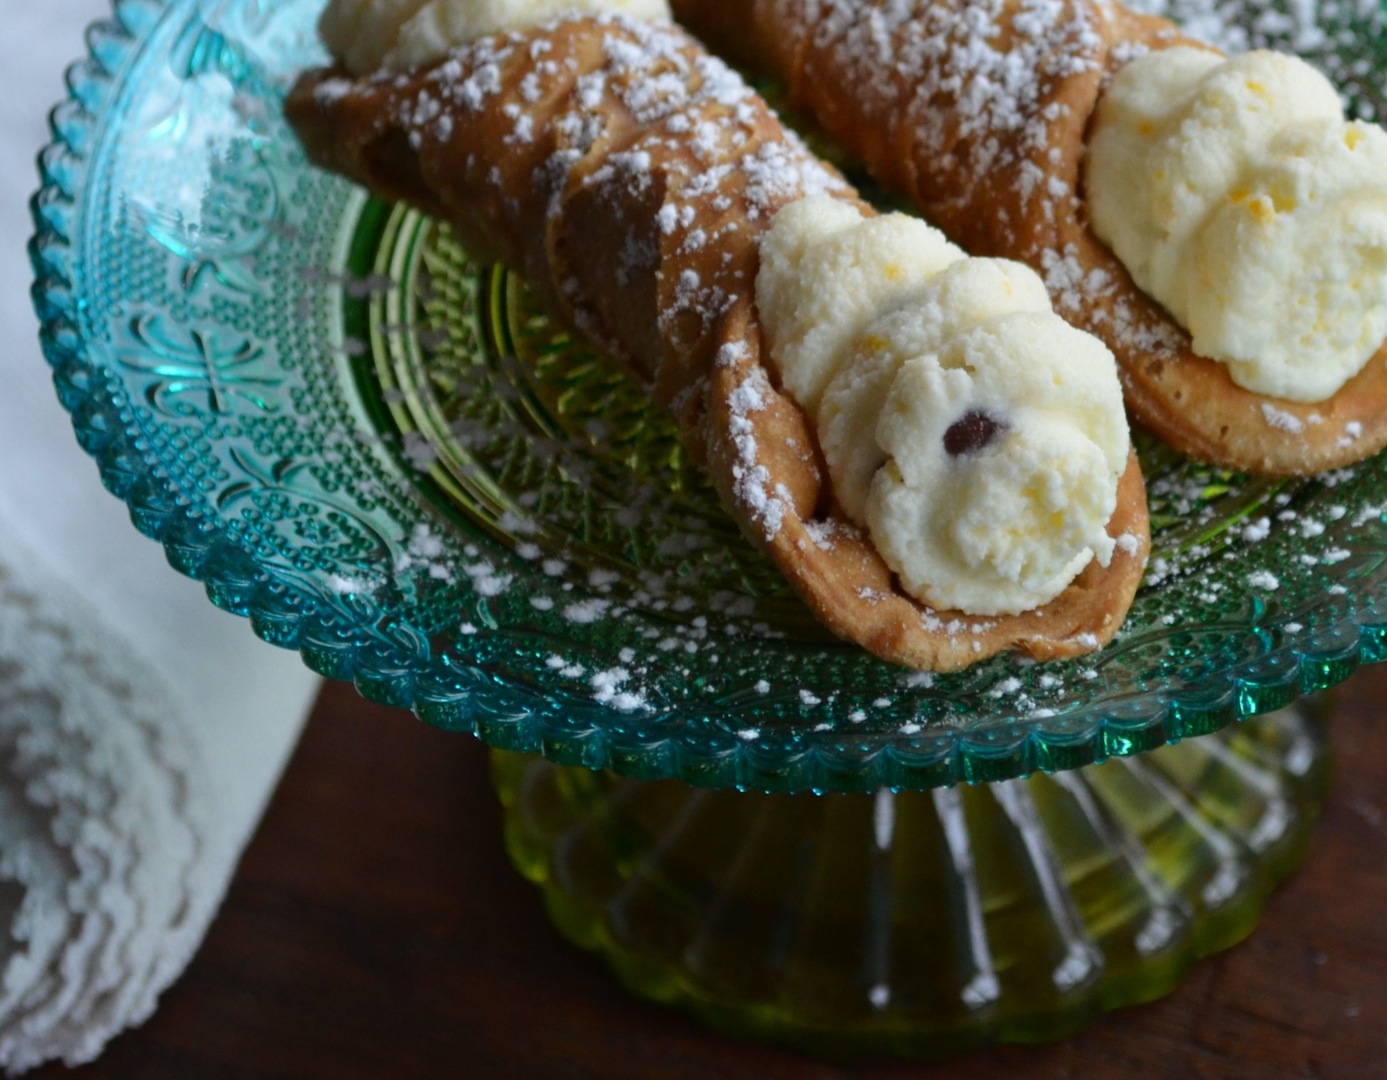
(922, 923)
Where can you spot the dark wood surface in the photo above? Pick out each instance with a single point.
(375, 929)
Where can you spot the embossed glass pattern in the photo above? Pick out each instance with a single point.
(382, 454)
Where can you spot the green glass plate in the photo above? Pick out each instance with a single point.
(387, 459)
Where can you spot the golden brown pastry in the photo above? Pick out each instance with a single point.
(978, 110)
(628, 176)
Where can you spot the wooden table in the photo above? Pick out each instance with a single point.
(375, 930)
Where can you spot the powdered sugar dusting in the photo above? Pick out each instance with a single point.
(907, 58)
(754, 489)
(1281, 420)
(1300, 26)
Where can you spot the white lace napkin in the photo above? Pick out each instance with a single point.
(141, 730)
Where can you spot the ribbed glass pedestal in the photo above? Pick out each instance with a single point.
(922, 923)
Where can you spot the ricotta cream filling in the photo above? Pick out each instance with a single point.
(1238, 196)
(976, 436)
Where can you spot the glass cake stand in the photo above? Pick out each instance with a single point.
(387, 459)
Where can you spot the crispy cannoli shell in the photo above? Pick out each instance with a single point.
(899, 86)
(611, 239)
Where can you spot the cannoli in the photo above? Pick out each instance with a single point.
(1241, 281)
(634, 180)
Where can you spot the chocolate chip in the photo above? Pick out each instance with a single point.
(972, 431)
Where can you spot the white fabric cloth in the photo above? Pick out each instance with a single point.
(141, 729)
